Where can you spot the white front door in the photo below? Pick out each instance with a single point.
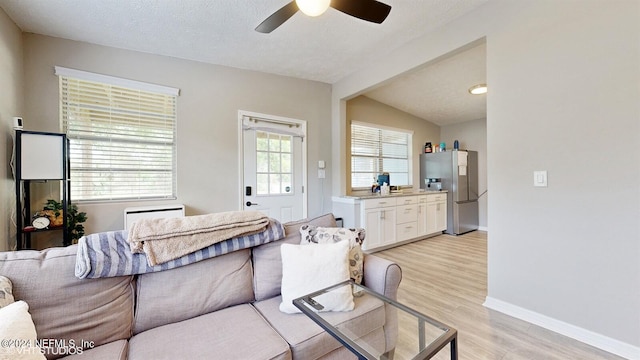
(273, 166)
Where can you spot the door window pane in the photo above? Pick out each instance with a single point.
(274, 163)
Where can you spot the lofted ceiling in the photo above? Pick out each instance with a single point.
(326, 48)
(439, 92)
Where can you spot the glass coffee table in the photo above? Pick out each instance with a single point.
(419, 336)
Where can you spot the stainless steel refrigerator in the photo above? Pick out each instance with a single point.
(456, 172)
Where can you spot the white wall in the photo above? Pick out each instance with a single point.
(472, 135)
(564, 97)
(207, 118)
(11, 104)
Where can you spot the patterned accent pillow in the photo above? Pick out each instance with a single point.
(6, 292)
(311, 234)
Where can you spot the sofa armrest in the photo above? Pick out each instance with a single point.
(382, 276)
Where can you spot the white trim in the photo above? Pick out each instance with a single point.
(302, 132)
(483, 228)
(112, 80)
(600, 341)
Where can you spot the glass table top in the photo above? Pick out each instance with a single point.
(419, 336)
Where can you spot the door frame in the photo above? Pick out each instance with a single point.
(280, 119)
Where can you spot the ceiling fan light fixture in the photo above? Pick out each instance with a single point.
(313, 7)
(478, 89)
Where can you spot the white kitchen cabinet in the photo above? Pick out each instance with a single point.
(436, 213)
(422, 216)
(407, 218)
(379, 222)
(389, 220)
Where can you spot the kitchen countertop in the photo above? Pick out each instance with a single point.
(350, 198)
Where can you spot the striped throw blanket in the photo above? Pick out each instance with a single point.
(108, 254)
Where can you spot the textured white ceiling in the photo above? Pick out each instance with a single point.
(439, 92)
(326, 48)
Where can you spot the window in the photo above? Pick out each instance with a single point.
(375, 150)
(273, 163)
(122, 137)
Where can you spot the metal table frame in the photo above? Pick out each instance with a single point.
(306, 304)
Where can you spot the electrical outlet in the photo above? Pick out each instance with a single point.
(321, 174)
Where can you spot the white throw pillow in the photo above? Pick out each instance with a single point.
(18, 333)
(311, 234)
(306, 269)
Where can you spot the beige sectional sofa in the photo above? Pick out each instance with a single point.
(225, 307)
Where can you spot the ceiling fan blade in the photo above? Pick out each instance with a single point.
(278, 18)
(369, 10)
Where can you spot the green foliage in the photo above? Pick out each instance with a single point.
(75, 218)
(54, 206)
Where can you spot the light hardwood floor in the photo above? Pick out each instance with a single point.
(445, 277)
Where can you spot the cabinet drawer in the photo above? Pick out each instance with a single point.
(422, 199)
(378, 203)
(407, 200)
(436, 197)
(406, 231)
(407, 213)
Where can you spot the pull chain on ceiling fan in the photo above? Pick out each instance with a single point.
(368, 10)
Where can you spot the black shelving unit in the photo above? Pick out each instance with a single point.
(40, 157)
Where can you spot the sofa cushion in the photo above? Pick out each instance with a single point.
(116, 350)
(182, 293)
(267, 260)
(309, 341)
(65, 307)
(238, 332)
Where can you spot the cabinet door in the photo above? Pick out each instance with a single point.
(422, 219)
(441, 216)
(388, 224)
(380, 225)
(432, 217)
(371, 224)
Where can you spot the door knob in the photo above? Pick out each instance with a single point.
(249, 203)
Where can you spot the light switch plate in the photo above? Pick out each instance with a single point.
(540, 178)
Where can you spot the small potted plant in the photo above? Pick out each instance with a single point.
(53, 210)
(75, 218)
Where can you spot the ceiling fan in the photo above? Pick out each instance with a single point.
(368, 10)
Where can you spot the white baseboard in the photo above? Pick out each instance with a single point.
(605, 343)
(483, 228)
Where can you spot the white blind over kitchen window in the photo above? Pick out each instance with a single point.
(375, 150)
(122, 138)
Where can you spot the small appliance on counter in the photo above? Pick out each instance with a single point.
(383, 178)
(432, 184)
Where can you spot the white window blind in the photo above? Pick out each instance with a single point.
(122, 140)
(375, 150)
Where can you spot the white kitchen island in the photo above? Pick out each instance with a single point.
(393, 219)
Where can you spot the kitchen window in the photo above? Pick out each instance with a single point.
(376, 149)
(122, 137)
